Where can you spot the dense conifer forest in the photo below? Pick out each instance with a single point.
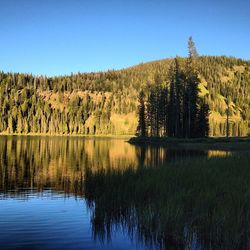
(107, 102)
(176, 109)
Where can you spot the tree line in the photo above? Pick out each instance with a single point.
(107, 102)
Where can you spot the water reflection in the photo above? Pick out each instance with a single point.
(61, 163)
(114, 178)
(157, 156)
(40, 162)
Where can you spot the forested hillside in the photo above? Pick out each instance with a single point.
(107, 102)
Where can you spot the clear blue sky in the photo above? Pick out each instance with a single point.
(56, 37)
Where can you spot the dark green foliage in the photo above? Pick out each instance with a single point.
(177, 111)
(181, 112)
(27, 103)
(176, 101)
(202, 128)
(155, 104)
(142, 119)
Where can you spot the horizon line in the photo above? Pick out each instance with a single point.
(114, 69)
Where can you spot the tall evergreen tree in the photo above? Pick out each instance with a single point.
(151, 112)
(142, 121)
(228, 101)
(178, 99)
(172, 104)
(192, 82)
(192, 52)
(203, 120)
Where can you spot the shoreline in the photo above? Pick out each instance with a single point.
(216, 143)
(67, 135)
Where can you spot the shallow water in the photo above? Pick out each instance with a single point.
(51, 220)
(42, 202)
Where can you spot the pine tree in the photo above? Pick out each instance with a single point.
(192, 82)
(192, 52)
(178, 99)
(142, 122)
(151, 108)
(203, 120)
(158, 107)
(228, 100)
(163, 106)
(171, 106)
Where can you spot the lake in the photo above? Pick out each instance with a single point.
(48, 199)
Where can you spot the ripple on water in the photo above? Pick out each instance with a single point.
(31, 219)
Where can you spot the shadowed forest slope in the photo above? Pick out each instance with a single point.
(107, 102)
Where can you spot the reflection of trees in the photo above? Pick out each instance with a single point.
(156, 156)
(138, 199)
(40, 162)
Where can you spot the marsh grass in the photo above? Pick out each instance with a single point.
(192, 204)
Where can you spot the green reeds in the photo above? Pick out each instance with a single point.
(194, 203)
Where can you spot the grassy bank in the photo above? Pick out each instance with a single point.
(196, 203)
(220, 143)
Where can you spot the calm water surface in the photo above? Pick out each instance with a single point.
(42, 201)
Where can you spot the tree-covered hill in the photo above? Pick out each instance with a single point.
(107, 102)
